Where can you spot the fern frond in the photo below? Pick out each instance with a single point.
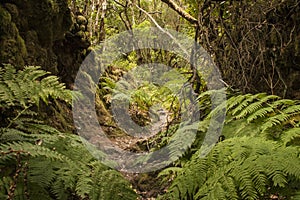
(49, 164)
(42, 172)
(32, 150)
(241, 168)
(284, 117)
(253, 107)
(32, 73)
(246, 102)
(84, 185)
(24, 87)
(107, 83)
(289, 135)
(11, 134)
(282, 102)
(296, 195)
(295, 109)
(236, 100)
(260, 113)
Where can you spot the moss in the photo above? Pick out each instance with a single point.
(45, 35)
(80, 34)
(22, 46)
(49, 18)
(81, 20)
(54, 5)
(5, 20)
(5, 16)
(10, 52)
(33, 33)
(13, 10)
(297, 44)
(63, 19)
(82, 27)
(12, 46)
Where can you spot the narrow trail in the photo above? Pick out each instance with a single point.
(127, 142)
(147, 185)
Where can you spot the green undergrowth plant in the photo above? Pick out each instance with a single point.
(30, 86)
(262, 115)
(239, 168)
(259, 158)
(36, 160)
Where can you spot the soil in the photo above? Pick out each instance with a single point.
(147, 185)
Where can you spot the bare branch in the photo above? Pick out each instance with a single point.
(181, 11)
(162, 30)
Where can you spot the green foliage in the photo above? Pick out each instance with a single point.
(269, 115)
(58, 166)
(38, 161)
(29, 86)
(145, 91)
(239, 168)
(258, 158)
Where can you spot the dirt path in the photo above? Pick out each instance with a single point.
(147, 185)
(130, 143)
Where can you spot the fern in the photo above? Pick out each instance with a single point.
(290, 135)
(259, 113)
(238, 168)
(36, 160)
(245, 103)
(57, 163)
(268, 112)
(247, 165)
(29, 86)
(283, 117)
(256, 106)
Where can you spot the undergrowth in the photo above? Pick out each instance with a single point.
(38, 161)
(259, 158)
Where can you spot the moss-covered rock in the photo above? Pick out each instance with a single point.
(12, 45)
(31, 31)
(5, 19)
(49, 18)
(81, 20)
(13, 10)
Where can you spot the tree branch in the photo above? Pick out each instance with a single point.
(163, 30)
(180, 11)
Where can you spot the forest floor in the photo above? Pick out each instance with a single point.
(147, 185)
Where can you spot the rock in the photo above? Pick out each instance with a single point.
(81, 20)
(13, 10)
(82, 27)
(43, 33)
(12, 46)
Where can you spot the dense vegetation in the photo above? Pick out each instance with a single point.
(38, 161)
(257, 152)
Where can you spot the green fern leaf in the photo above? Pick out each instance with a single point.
(234, 101)
(251, 108)
(260, 113)
(290, 135)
